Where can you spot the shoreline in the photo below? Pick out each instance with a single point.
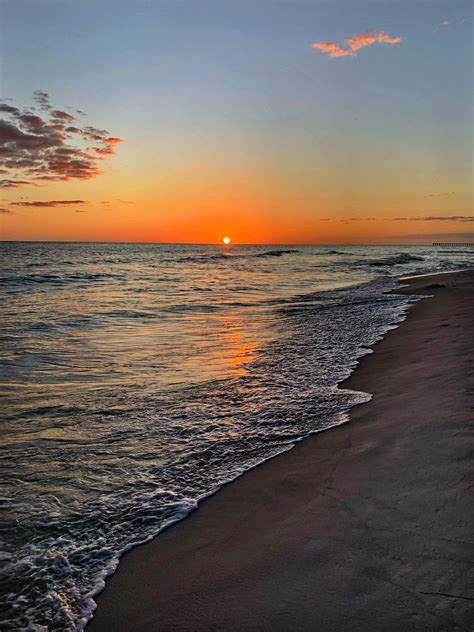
(152, 590)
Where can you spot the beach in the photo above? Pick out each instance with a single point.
(366, 526)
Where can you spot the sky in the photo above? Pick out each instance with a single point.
(270, 122)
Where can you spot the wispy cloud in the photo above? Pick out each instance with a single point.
(371, 37)
(425, 218)
(49, 203)
(13, 184)
(430, 195)
(42, 99)
(6, 211)
(62, 116)
(436, 218)
(355, 43)
(449, 24)
(52, 147)
(333, 49)
(442, 25)
(118, 200)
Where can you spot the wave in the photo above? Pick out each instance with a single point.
(324, 253)
(56, 279)
(456, 252)
(394, 260)
(275, 253)
(207, 258)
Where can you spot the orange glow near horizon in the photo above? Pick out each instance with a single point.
(258, 209)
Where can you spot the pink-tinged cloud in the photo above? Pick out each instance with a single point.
(332, 49)
(372, 37)
(47, 147)
(355, 43)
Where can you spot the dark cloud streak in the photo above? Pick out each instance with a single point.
(435, 195)
(42, 99)
(13, 184)
(426, 218)
(49, 203)
(436, 218)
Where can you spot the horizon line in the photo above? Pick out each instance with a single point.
(191, 243)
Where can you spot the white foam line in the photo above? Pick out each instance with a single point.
(435, 273)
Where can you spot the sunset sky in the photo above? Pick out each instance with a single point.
(270, 122)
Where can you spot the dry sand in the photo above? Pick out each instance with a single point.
(368, 526)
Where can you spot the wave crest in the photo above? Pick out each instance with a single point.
(395, 260)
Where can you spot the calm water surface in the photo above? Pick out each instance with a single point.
(136, 379)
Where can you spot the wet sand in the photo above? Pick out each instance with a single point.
(367, 526)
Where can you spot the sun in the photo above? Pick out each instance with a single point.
(226, 240)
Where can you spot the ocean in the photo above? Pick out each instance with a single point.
(137, 379)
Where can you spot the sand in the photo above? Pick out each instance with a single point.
(367, 526)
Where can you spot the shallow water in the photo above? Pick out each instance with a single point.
(137, 379)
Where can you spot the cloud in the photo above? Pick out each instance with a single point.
(42, 99)
(364, 219)
(13, 184)
(63, 116)
(49, 203)
(436, 218)
(449, 24)
(333, 49)
(426, 218)
(355, 43)
(439, 194)
(48, 148)
(371, 37)
(114, 202)
(6, 211)
(9, 109)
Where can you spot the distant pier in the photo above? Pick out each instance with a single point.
(452, 243)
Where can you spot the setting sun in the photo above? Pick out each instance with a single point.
(226, 240)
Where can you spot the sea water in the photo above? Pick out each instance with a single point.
(136, 379)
